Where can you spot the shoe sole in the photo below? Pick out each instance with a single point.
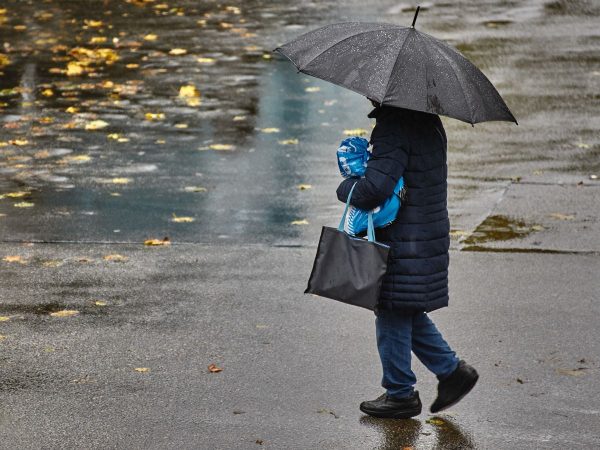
(398, 415)
(469, 388)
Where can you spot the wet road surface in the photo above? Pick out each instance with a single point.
(129, 120)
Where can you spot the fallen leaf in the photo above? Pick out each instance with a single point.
(97, 40)
(270, 130)
(458, 233)
(150, 37)
(96, 125)
(355, 132)
(561, 216)
(142, 369)
(23, 205)
(304, 187)
(205, 60)
(100, 303)
(47, 93)
(4, 318)
(14, 259)
(182, 125)
(93, 23)
(74, 69)
(288, 142)
(177, 51)
(299, 222)
(16, 194)
(53, 263)
(2, 337)
(221, 147)
(120, 180)
(72, 110)
(153, 242)
(190, 94)
(65, 313)
(154, 116)
(181, 219)
(19, 142)
(312, 89)
(520, 381)
(437, 422)
(214, 369)
(115, 257)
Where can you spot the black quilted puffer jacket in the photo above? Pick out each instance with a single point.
(411, 144)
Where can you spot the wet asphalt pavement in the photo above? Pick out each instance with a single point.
(123, 121)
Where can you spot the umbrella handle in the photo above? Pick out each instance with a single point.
(415, 18)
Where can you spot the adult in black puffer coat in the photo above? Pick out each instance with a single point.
(411, 144)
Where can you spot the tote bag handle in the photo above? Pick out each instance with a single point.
(370, 227)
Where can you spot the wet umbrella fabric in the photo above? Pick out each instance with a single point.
(398, 66)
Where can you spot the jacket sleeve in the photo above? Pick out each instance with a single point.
(384, 168)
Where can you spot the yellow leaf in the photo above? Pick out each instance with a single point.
(23, 205)
(181, 219)
(100, 303)
(190, 94)
(299, 222)
(142, 369)
(52, 263)
(270, 130)
(221, 147)
(75, 159)
(20, 27)
(98, 40)
(205, 60)
(150, 37)
(153, 242)
(47, 93)
(2, 337)
(239, 118)
(233, 9)
(72, 110)
(435, 421)
(121, 180)
(115, 257)
(194, 189)
(267, 56)
(458, 233)
(14, 258)
(74, 69)
(177, 51)
(154, 116)
(181, 125)
(16, 194)
(93, 23)
(289, 142)
(132, 65)
(96, 125)
(355, 132)
(4, 318)
(312, 89)
(304, 187)
(4, 60)
(19, 142)
(65, 313)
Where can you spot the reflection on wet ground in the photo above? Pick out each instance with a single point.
(437, 432)
(124, 120)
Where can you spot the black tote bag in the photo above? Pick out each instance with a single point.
(347, 268)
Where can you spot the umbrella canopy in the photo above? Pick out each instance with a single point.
(398, 66)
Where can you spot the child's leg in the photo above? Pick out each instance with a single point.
(394, 344)
(430, 347)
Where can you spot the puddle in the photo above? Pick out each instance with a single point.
(500, 228)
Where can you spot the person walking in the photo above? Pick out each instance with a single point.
(411, 144)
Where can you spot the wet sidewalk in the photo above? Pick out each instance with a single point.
(131, 121)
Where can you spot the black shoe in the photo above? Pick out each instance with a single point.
(393, 408)
(451, 390)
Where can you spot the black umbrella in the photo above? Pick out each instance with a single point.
(398, 66)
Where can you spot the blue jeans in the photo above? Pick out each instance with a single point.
(397, 334)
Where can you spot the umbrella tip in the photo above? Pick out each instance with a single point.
(415, 18)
